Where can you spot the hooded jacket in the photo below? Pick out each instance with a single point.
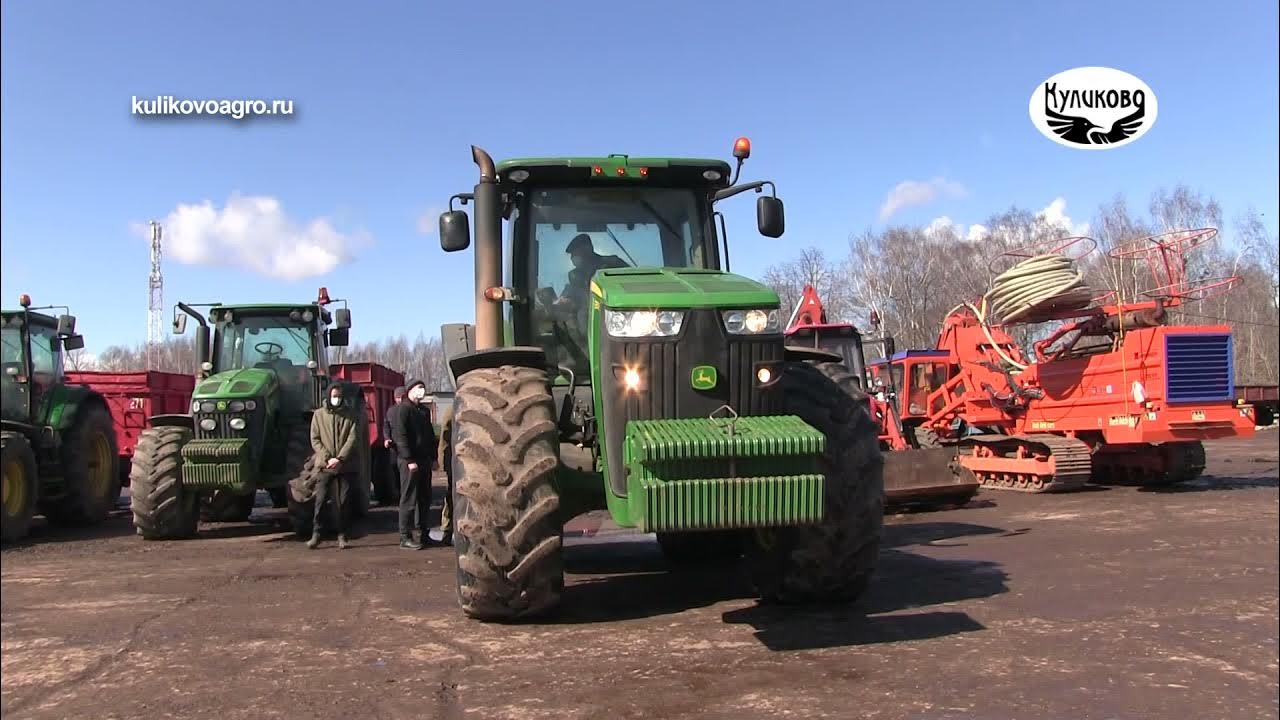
(334, 434)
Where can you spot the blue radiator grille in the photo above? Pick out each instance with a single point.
(1198, 368)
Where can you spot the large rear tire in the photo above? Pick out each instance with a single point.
(162, 508)
(226, 506)
(21, 486)
(90, 470)
(507, 533)
(832, 561)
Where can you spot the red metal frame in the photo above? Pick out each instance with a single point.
(133, 397)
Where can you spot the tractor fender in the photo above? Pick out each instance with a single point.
(66, 406)
(519, 356)
(799, 354)
(172, 420)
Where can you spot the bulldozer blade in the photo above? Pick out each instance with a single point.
(926, 476)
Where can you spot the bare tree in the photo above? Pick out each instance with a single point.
(788, 279)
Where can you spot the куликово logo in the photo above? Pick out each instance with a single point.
(1093, 108)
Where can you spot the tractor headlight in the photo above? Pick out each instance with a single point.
(643, 323)
(237, 423)
(250, 405)
(752, 322)
(235, 406)
(195, 406)
(209, 424)
(208, 406)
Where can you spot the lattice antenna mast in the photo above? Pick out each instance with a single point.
(155, 300)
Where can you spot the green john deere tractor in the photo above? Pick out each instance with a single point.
(263, 371)
(631, 371)
(59, 446)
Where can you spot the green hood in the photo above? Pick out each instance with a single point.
(245, 383)
(679, 288)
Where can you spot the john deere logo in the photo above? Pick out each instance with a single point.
(222, 404)
(1093, 108)
(704, 377)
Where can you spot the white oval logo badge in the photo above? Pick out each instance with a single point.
(1093, 108)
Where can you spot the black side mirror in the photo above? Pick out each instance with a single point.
(66, 325)
(72, 342)
(769, 216)
(342, 318)
(179, 324)
(455, 231)
(339, 337)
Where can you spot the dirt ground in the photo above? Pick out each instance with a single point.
(1108, 603)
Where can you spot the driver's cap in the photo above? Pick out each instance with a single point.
(581, 241)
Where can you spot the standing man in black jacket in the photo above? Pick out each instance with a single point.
(415, 445)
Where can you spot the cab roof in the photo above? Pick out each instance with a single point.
(655, 170)
(36, 318)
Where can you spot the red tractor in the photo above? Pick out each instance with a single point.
(1113, 394)
(919, 470)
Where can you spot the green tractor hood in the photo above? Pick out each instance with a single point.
(679, 288)
(245, 383)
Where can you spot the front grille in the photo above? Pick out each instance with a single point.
(1198, 368)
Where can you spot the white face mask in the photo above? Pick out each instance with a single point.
(417, 394)
(335, 401)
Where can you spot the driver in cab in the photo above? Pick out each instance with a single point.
(586, 262)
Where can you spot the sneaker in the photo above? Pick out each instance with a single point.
(408, 543)
(314, 541)
(342, 542)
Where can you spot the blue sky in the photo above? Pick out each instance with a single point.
(843, 102)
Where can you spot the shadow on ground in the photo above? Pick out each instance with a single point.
(1210, 483)
(629, 579)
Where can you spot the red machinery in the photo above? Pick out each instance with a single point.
(133, 397)
(918, 469)
(1113, 394)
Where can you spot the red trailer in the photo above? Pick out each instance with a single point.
(378, 383)
(135, 396)
(1265, 400)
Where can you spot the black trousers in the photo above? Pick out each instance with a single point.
(415, 496)
(332, 485)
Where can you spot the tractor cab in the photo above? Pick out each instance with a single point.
(910, 377)
(32, 360)
(276, 355)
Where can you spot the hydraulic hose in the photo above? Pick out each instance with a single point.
(1039, 283)
(1043, 282)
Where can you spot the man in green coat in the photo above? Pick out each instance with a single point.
(334, 439)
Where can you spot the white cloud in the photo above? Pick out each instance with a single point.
(254, 233)
(429, 221)
(1055, 215)
(917, 192)
(944, 223)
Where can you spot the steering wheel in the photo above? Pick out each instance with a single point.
(271, 351)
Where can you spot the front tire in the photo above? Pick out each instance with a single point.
(506, 531)
(301, 489)
(834, 560)
(162, 508)
(90, 469)
(21, 486)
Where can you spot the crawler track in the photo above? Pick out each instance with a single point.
(1038, 463)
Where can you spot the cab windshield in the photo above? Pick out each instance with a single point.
(605, 227)
(272, 343)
